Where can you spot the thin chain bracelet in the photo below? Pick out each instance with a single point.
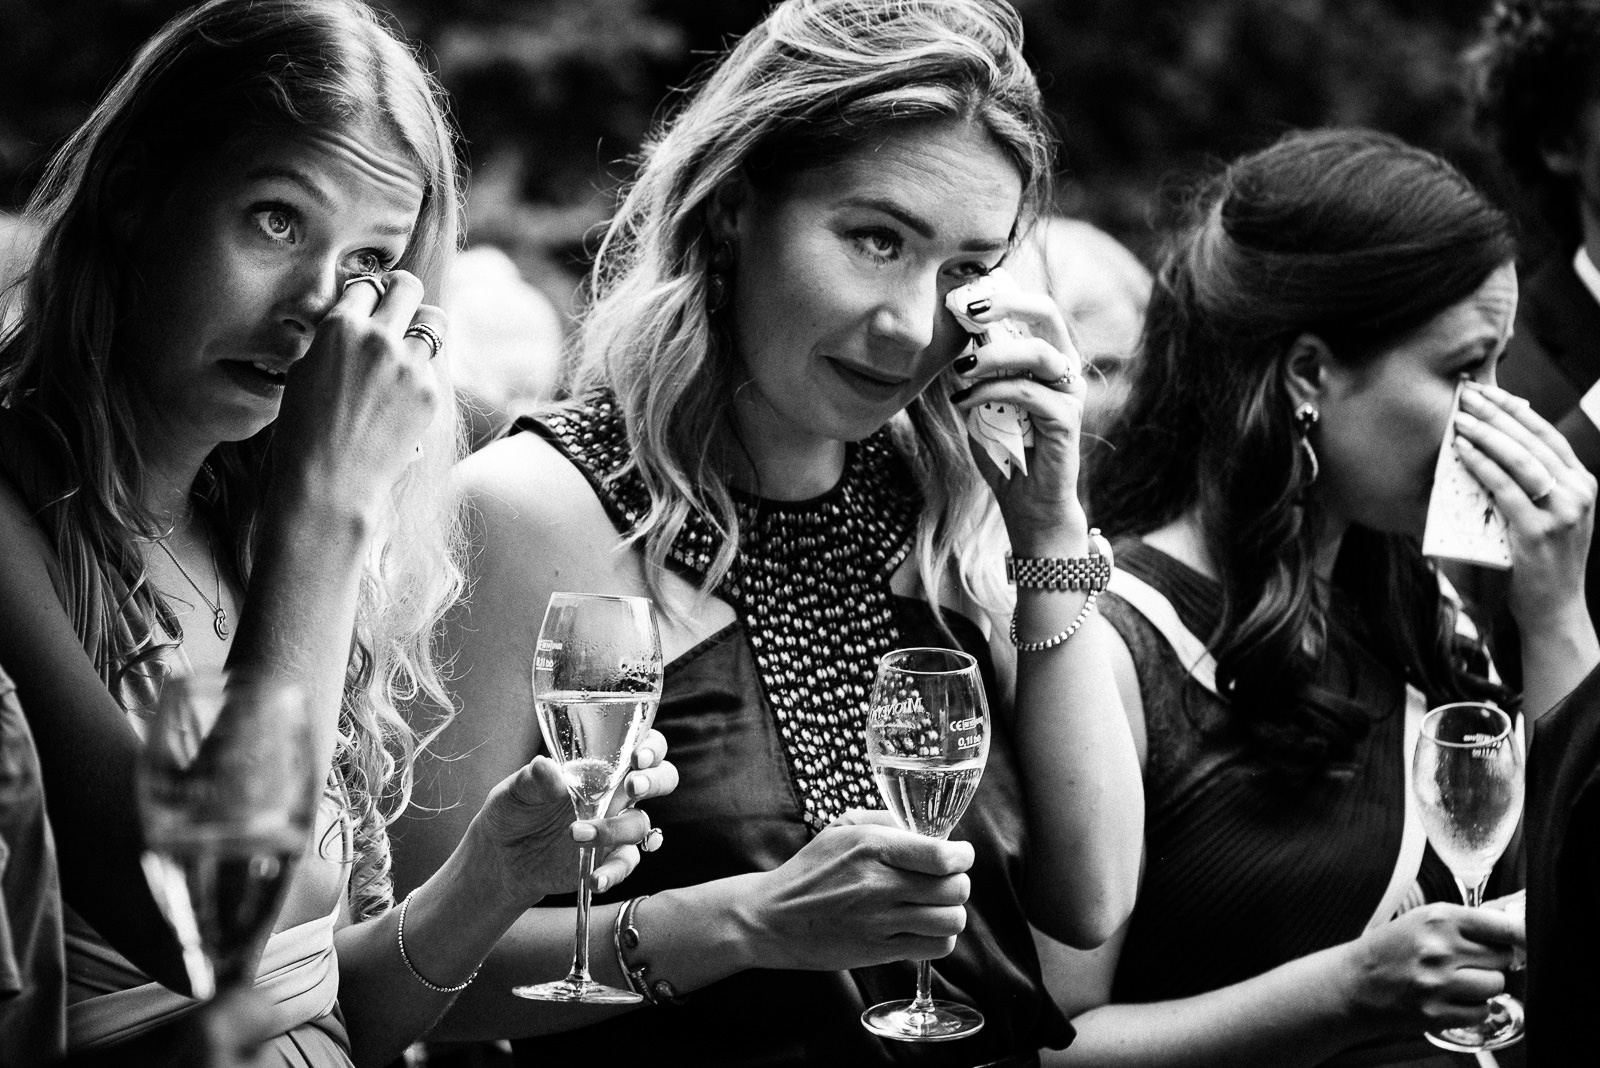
(1055, 639)
(400, 939)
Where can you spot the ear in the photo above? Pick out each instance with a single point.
(126, 191)
(726, 208)
(1306, 369)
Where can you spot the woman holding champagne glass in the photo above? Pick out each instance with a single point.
(224, 441)
(1277, 632)
(769, 438)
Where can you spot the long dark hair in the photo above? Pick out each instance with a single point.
(1358, 239)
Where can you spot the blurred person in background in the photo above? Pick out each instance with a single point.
(224, 444)
(1278, 634)
(1538, 100)
(768, 437)
(506, 340)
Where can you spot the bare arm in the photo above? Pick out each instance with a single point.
(860, 893)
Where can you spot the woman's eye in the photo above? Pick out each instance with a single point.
(276, 224)
(371, 262)
(880, 245)
(968, 271)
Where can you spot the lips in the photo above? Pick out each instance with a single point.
(868, 381)
(265, 377)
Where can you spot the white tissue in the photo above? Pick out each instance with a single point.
(1004, 430)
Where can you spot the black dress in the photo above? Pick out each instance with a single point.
(764, 722)
(1242, 876)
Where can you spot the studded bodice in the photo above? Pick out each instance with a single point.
(810, 584)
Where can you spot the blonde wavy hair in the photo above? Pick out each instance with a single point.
(217, 72)
(805, 88)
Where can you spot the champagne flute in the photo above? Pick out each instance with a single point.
(1467, 775)
(596, 683)
(228, 783)
(927, 739)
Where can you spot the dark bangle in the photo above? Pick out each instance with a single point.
(625, 936)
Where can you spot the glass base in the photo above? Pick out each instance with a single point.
(1504, 1027)
(583, 991)
(931, 1021)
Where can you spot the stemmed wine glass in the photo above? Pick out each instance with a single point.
(1467, 775)
(596, 682)
(927, 739)
(227, 785)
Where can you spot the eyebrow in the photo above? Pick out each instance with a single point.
(918, 225)
(312, 190)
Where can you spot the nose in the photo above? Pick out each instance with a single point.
(313, 287)
(907, 313)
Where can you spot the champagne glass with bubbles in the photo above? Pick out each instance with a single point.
(927, 739)
(596, 682)
(227, 785)
(1468, 779)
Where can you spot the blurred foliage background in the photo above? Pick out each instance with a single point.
(553, 96)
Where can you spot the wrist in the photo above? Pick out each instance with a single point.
(1067, 537)
(305, 507)
(740, 928)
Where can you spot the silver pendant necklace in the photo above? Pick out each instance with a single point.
(219, 614)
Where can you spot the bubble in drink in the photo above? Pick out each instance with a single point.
(593, 736)
(927, 794)
(1470, 827)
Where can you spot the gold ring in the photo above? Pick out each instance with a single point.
(652, 840)
(428, 334)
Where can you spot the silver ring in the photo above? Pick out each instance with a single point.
(371, 279)
(1065, 383)
(652, 840)
(428, 334)
(1544, 494)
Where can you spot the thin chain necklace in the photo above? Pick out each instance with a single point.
(219, 614)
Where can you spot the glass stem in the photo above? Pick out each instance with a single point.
(580, 947)
(924, 999)
(1473, 894)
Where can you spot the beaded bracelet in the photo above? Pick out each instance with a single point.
(1055, 639)
(625, 937)
(400, 939)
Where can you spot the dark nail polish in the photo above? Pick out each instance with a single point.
(961, 394)
(978, 307)
(966, 363)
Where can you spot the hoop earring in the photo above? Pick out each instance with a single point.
(719, 276)
(1305, 417)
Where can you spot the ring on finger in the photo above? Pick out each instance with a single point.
(1064, 384)
(429, 334)
(371, 279)
(652, 840)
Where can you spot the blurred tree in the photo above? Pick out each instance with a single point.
(553, 96)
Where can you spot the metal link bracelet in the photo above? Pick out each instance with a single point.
(1055, 639)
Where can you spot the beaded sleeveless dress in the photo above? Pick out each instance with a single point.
(764, 722)
(1240, 876)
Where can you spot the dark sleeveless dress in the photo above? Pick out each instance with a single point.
(1241, 877)
(738, 808)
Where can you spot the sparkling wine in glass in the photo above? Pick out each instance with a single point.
(927, 739)
(596, 682)
(228, 783)
(1468, 779)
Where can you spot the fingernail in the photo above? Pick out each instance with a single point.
(583, 832)
(1474, 397)
(602, 883)
(961, 394)
(645, 756)
(1467, 419)
(637, 785)
(978, 307)
(966, 363)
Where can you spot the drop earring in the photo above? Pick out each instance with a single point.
(1305, 417)
(719, 276)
